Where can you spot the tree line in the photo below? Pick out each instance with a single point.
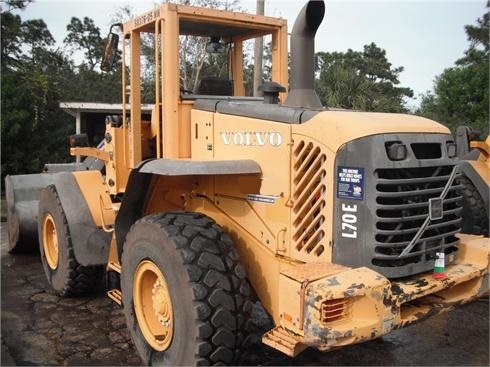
(460, 95)
(36, 75)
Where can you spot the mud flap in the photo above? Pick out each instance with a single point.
(90, 243)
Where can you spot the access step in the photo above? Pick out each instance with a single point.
(115, 295)
(284, 341)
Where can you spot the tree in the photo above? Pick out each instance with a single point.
(479, 41)
(33, 76)
(36, 34)
(360, 80)
(88, 83)
(460, 95)
(11, 39)
(85, 35)
(15, 4)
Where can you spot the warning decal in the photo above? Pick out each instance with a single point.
(350, 183)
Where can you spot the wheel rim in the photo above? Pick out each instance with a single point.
(153, 306)
(50, 242)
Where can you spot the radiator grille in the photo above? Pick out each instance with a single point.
(402, 202)
(309, 193)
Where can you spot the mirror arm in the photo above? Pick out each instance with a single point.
(120, 25)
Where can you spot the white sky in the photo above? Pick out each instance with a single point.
(424, 36)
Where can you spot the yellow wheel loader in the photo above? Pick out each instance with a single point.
(475, 179)
(338, 221)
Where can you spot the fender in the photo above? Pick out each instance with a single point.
(90, 242)
(138, 186)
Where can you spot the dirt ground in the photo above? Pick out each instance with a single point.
(38, 328)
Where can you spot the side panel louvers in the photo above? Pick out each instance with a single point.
(309, 201)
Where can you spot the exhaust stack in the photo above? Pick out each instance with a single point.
(302, 91)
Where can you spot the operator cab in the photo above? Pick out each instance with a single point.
(175, 55)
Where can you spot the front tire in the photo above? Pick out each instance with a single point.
(475, 217)
(185, 295)
(65, 275)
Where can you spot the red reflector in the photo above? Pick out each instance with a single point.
(334, 310)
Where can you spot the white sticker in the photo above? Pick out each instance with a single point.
(268, 199)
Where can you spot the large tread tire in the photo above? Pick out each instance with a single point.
(475, 217)
(17, 242)
(66, 276)
(207, 285)
(15, 245)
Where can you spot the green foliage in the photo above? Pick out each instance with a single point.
(36, 34)
(460, 98)
(360, 80)
(87, 83)
(35, 78)
(85, 35)
(11, 39)
(15, 4)
(461, 94)
(478, 36)
(33, 131)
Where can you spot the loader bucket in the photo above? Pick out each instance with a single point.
(22, 195)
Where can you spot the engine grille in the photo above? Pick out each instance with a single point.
(388, 228)
(402, 205)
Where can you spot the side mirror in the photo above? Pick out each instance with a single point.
(110, 50)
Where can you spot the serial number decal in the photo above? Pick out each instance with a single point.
(349, 220)
(252, 139)
(268, 199)
(147, 18)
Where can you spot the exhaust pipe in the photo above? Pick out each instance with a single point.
(302, 86)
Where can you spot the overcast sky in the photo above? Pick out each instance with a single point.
(424, 36)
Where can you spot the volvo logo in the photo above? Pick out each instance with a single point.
(252, 139)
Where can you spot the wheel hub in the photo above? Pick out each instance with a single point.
(50, 242)
(161, 303)
(153, 305)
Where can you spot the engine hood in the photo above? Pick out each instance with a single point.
(335, 128)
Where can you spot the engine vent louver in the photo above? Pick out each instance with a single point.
(309, 195)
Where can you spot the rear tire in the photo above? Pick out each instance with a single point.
(475, 217)
(17, 244)
(65, 275)
(188, 263)
(14, 245)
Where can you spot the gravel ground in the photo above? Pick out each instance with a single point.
(39, 328)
